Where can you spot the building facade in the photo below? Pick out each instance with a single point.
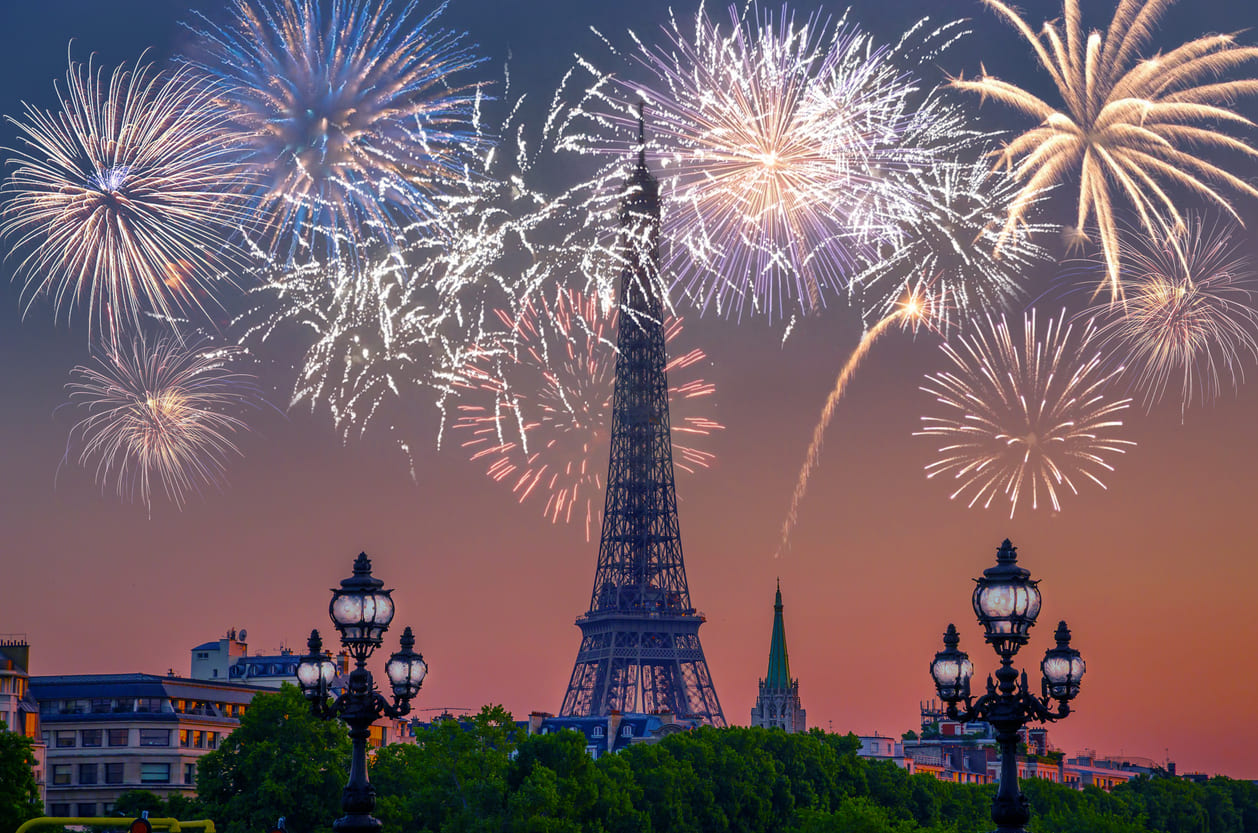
(110, 733)
(19, 712)
(613, 732)
(777, 704)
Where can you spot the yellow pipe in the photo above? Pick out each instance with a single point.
(168, 824)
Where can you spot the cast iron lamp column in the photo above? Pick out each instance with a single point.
(1007, 602)
(361, 610)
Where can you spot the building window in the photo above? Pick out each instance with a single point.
(113, 773)
(65, 739)
(119, 737)
(626, 732)
(154, 737)
(87, 774)
(87, 810)
(184, 738)
(102, 705)
(212, 742)
(198, 738)
(148, 705)
(61, 776)
(190, 773)
(598, 731)
(59, 809)
(203, 654)
(91, 737)
(155, 773)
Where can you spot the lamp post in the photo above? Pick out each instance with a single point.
(1007, 602)
(361, 610)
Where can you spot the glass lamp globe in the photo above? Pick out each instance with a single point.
(951, 669)
(406, 668)
(315, 671)
(361, 609)
(1006, 601)
(1062, 667)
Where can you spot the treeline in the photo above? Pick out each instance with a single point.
(488, 776)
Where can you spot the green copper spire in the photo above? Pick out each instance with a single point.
(779, 675)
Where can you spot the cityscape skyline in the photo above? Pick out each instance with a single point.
(1152, 573)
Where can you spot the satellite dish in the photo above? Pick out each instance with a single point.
(244, 634)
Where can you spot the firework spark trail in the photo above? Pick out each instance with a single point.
(352, 112)
(159, 413)
(1130, 125)
(122, 198)
(1033, 416)
(395, 322)
(549, 381)
(767, 133)
(911, 311)
(381, 333)
(1188, 311)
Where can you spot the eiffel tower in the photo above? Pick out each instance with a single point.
(640, 649)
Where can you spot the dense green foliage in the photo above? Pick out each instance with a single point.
(482, 775)
(19, 794)
(280, 761)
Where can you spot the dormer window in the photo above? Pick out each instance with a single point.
(626, 732)
(598, 731)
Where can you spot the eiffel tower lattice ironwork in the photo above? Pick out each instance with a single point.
(640, 649)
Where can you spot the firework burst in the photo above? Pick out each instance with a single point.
(380, 333)
(395, 321)
(1030, 415)
(548, 384)
(1188, 312)
(121, 200)
(1132, 127)
(159, 414)
(949, 243)
(352, 115)
(773, 138)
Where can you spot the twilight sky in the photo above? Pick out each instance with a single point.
(1153, 575)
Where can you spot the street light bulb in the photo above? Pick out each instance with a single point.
(1006, 602)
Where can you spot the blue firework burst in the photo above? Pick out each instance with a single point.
(351, 111)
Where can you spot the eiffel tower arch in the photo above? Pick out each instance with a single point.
(640, 649)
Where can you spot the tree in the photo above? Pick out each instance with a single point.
(453, 778)
(19, 794)
(280, 761)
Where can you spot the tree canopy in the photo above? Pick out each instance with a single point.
(19, 793)
(483, 774)
(280, 761)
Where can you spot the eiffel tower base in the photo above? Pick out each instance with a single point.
(647, 664)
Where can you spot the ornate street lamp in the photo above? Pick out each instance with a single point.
(1007, 603)
(361, 609)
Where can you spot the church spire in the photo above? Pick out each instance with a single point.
(779, 674)
(778, 705)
